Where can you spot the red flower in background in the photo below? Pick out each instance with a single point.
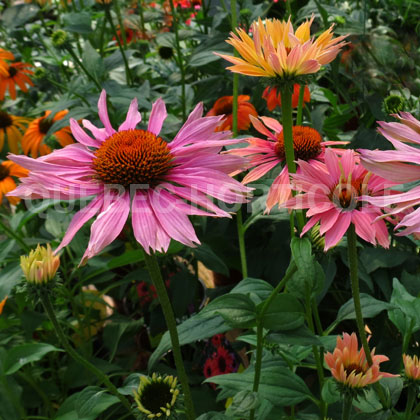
(223, 106)
(273, 98)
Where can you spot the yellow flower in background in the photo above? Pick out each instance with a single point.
(12, 127)
(8, 170)
(41, 265)
(277, 51)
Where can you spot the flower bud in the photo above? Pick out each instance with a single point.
(40, 265)
(59, 38)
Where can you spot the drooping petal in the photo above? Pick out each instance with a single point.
(157, 117)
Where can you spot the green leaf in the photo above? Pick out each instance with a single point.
(212, 261)
(93, 61)
(330, 393)
(79, 23)
(131, 384)
(258, 290)
(198, 327)
(10, 276)
(301, 336)
(243, 402)
(278, 385)
(19, 356)
(213, 415)
(202, 58)
(284, 313)
(237, 310)
(16, 16)
(370, 308)
(374, 258)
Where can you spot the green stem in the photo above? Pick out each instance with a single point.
(12, 235)
(260, 317)
(156, 276)
(143, 28)
(241, 239)
(114, 30)
(46, 303)
(120, 22)
(46, 402)
(286, 107)
(354, 277)
(84, 69)
(101, 39)
(180, 59)
(411, 398)
(288, 8)
(347, 406)
(300, 105)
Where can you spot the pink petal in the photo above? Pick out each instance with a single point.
(333, 236)
(81, 136)
(79, 219)
(99, 133)
(103, 114)
(157, 117)
(108, 225)
(261, 128)
(279, 191)
(133, 117)
(259, 171)
(362, 221)
(273, 124)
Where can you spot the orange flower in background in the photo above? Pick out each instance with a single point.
(32, 141)
(224, 106)
(9, 169)
(273, 98)
(2, 303)
(411, 367)
(12, 127)
(4, 65)
(17, 74)
(276, 50)
(349, 366)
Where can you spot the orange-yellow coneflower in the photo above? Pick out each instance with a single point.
(4, 65)
(17, 74)
(12, 127)
(8, 170)
(223, 106)
(32, 141)
(349, 366)
(277, 51)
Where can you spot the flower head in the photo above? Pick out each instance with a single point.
(332, 191)
(17, 74)
(265, 155)
(411, 367)
(8, 170)
(223, 106)
(40, 266)
(157, 396)
(32, 141)
(273, 97)
(11, 127)
(277, 51)
(401, 165)
(162, 183)
(349, 366)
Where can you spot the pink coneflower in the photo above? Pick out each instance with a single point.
(332, 193)
(400, 166)
(131, 169)
(264, 155)
(349, 366)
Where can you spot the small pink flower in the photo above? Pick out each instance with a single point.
(265, 155)
(411, 367)
(332, 192)
(135, 171)
(349, 366)
(400, 166)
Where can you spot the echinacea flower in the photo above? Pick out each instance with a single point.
(157, 396)
(41, 265)
(277, 51)
(332, 194)
(264, 155)
(4, 65)
(32, 141)
(12, 127)
(131, 169)
(411, 367)
(349, 366)
(401, 165)
(273, 97)
(8, 170)
(224, 106)
(17, 74)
